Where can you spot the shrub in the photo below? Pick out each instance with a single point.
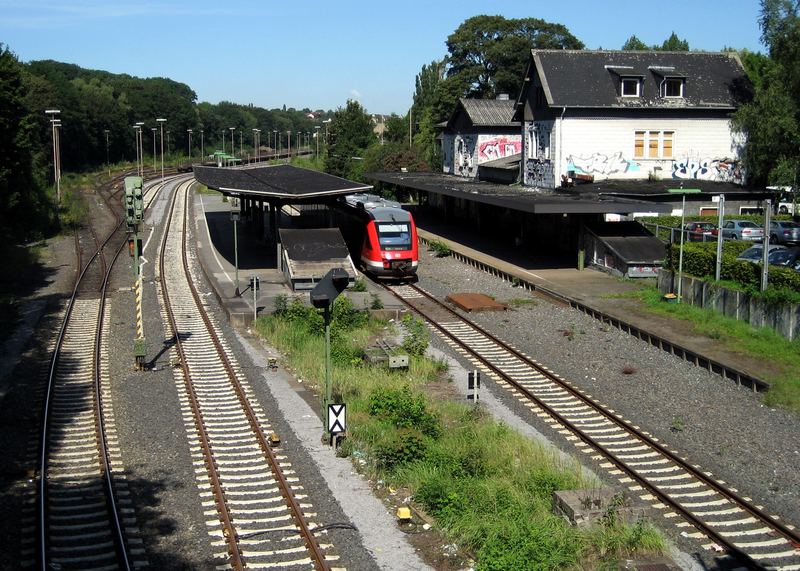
(530, 545)
(404, 409)
(441, 249)
(440, 496)
(360, 285)
(405, 446)
(417, 338)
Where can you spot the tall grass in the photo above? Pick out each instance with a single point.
(782, 355)
(488, 487)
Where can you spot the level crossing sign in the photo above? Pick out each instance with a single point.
(337, 419)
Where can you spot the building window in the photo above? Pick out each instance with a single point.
(629, 87)
(672, 87)
(653, 144)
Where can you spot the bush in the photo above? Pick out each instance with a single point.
(405, 446)
(530, 545)
(404, 409)
(440, 496)
(417, 338)
(441, 249)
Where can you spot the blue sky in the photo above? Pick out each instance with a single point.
(319, 54)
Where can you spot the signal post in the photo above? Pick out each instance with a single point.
(134, 213)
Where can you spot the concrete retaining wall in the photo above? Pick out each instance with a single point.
(783, 319)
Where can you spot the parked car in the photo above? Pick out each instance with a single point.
(700, 231)
(742, 230)
(755, 253)
(786, 257)
(784, 232)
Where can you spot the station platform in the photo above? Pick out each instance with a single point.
(593, 288)
(216, 252)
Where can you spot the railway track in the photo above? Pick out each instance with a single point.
(701, 506)
(257, 514)
(82, 499)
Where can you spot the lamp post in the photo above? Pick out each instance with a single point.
(153, 130)
(327, 122)
(255, 143)
(233, 145)
(241, 144)
(202, 150)
(136, 146)
(275, 148)
(289, 146)
(161, 122)
(190, 144)
(169, 149)
(140, 141)
(316, 136)
(108, 164)
(683, 192)
(223, 141)
(52, 113)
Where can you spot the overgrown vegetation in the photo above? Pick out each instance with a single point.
(737, 336)
(488, 488)
(441, 249)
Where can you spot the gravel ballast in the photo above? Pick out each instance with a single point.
(724, 429)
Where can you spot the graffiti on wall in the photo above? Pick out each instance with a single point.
(464, 149)
(539, 174)
(719, 170)
(499, 147)
(598, 163)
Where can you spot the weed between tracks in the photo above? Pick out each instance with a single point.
(488, 488)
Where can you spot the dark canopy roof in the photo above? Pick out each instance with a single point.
(586, 78)
(281, 182)
(516, 198)
(485, 112)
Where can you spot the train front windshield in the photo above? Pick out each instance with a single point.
(394, 235)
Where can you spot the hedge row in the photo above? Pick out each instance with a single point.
(700, 260)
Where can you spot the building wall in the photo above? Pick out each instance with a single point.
(462, 152)
(604, 148)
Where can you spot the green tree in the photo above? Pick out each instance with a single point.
(674, 44)
(24, 208)
(771, 122)
(634, 44)
(489, 54)
(349, 135)
(393, 157)
(396, 129)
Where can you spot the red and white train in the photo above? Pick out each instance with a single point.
(382, 233)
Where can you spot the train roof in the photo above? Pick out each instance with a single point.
(378, 208)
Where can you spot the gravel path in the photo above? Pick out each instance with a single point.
(724, 429)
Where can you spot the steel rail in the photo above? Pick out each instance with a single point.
(229, 531)
(286, 491)
(724, 491)
(726, 371)
(43, 448)
(45, 428)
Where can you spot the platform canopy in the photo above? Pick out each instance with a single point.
(281, 182)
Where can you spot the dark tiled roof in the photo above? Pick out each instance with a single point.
(584, 78)
(525, 199)
(281, 181)
(488, 112)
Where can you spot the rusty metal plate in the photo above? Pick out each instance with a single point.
(475, 302)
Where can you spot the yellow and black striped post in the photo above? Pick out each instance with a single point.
(139, 344)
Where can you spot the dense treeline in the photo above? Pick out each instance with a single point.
(98, 110)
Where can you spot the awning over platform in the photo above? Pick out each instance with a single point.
(278, 182)
(535, 201)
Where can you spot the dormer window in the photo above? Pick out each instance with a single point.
(630, 86)
(672, 87)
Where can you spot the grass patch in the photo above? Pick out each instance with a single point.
(488, 488)
(737, 336)
(203, 189)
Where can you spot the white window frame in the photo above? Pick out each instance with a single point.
(659, 136)
(667, 80)
(628, 80)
